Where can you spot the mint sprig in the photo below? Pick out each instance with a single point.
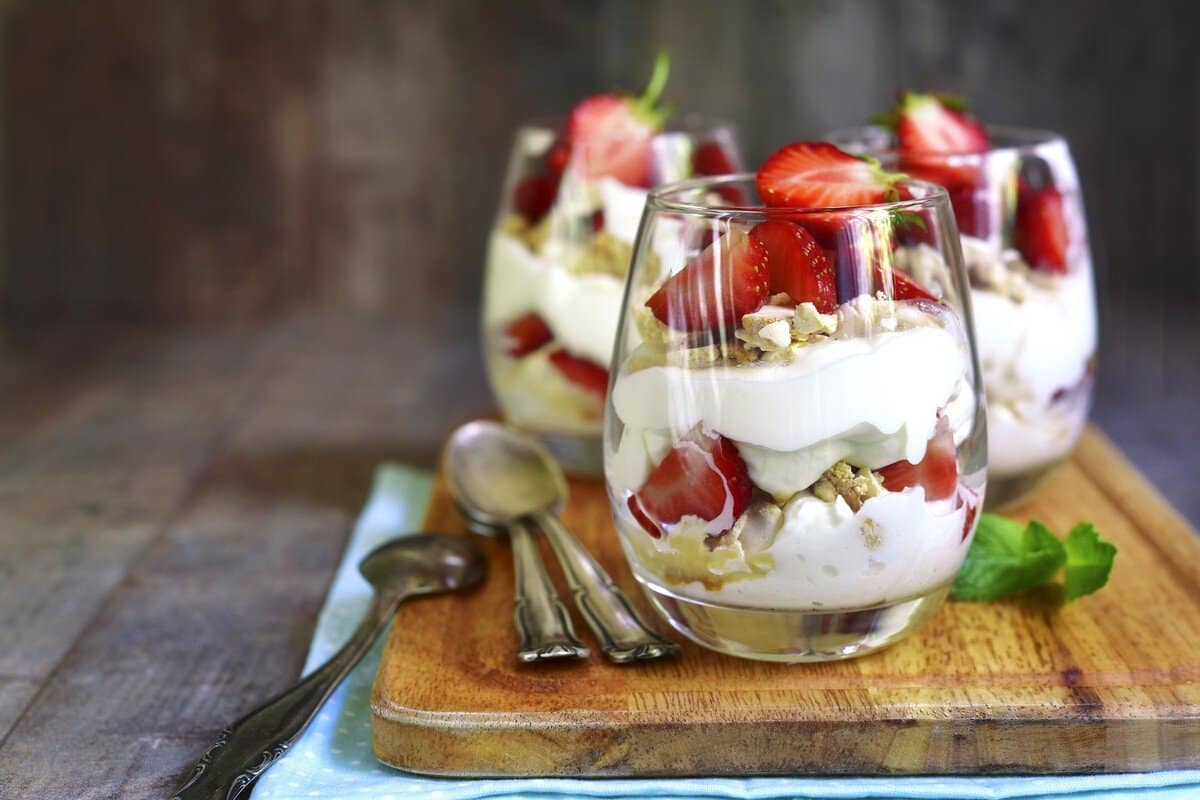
(1089, 561)
(1007, 557)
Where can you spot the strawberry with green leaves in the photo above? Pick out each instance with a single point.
(612, 135)
(941, 142)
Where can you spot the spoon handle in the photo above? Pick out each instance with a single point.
(542, 620)
(624, 635)
(245, 749)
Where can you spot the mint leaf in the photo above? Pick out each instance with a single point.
(1005, 558)
(1089, 561)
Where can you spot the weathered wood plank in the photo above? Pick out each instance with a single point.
(216, 610)
(92, 483)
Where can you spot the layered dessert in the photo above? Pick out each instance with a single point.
(1016, 200)
(787, 419)
(558, 256)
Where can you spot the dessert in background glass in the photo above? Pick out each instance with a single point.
(1020, 216)
(794, 443)
(559, 253)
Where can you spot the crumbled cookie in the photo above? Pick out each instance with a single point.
(755, 321)
(854, 487)
(605, 254)
(770, 337)
(866, 315)
(758, 526)
(807, 322)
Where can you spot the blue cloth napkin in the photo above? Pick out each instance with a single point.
(333, 758)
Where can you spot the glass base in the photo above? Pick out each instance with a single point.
(793, 636)
(580, 456)
(1007, 491)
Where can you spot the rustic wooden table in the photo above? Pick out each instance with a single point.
(174, 502)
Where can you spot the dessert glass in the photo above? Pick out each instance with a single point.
(1035, 317)
(556, 265)
(797, 483)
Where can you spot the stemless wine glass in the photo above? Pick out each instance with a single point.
(556, 267)
(1024, 238)
(795, 477)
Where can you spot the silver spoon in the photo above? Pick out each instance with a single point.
(517, 479)
(426, 563)
(483, 485)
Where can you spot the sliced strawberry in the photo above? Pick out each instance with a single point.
(726, 281)
(648, 525)
(710, 158)
(819, 175)
(699, 476)
(796, 264)
(535, 195)
(558, 157)
(598, 220)
(612, 135)
(926, 123)
(585, 374)
(972, 211)
(524, 335)
(863, 260)
(937, 472)
(969, 498)
(904, 287)
(1040, 228)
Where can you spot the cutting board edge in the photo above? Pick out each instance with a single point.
(754, 747)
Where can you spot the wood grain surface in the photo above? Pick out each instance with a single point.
(1106, 684)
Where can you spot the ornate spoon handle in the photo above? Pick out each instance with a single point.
(542, 620)
(245, 749)
(624, 635)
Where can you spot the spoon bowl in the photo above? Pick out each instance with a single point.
(426, 563)
(498, 476)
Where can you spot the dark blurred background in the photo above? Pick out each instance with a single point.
(218, 161)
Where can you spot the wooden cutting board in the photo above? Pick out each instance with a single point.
(1109, 683)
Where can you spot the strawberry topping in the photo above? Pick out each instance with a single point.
(1040, 229)
(928, 123)
(710, 158)
(716, 288)
(937, 472)
(535, 195)
(699, 476)
(524, 335)
(819, 175)
(797, 265)
(583, 373)
(612, 135)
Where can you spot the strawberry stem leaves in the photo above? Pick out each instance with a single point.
(646, 107)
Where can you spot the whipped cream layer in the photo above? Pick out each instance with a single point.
(557, 405)
(1029, 350)
(870, 401)
(826, 556)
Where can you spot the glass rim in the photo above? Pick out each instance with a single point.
(1016, 139)
(692, 122)
(660, 199)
